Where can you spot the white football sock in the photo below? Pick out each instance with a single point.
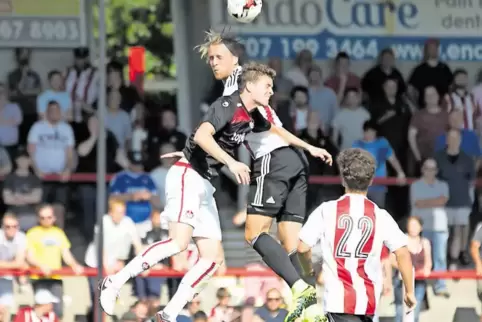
(151, 256)
(192, 283)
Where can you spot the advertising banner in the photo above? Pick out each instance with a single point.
(42, 23)
(362, 28)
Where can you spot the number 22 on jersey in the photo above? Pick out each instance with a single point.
(350, 231)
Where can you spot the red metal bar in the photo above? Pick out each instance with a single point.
(390, 181)
(238, 272)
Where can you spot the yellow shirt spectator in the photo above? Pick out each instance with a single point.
(46, 245)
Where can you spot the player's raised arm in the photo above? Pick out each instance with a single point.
(309, 236)
(295, 141)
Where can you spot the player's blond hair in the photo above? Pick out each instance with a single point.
(252, 71)
(216, 38)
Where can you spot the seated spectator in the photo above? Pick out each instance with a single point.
(42, 310)
(421, 254)
(190, 310)
(23, 81)
(477, 90)
(51, 146)
(167, 132)
(300, 107)
(322, 99)
(426, 125)
(373, 81)
(130, 100)
(87, 136)
(470, 142)
(118, 121)
(5, 162)
(82, 84)
(222, 311)
(55, 93)
(140, 310)
(200, 317)
(272, 310)
(159, 173)
(47, 247)
(342, 79)
(458, 170)
(12, 256)
(10, 119)
(382, 152)
(428, 197)
(298, 74)
(138, 190)
(348, 122)
(22, 191)
(149, 288)
(119, 236)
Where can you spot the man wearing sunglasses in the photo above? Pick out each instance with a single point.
(12, 256)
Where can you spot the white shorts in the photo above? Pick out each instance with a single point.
(458, 216)
(190, 200)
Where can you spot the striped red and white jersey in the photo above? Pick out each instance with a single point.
(465, 103)
(352, 232)
(260, 143)
(83, 86)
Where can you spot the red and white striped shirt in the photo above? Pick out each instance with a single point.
(465, 103)
(352, 246)
(83, 86)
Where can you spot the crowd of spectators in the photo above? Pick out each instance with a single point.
(427, 126)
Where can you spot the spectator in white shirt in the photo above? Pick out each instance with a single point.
(12, 255)
(56, 93)
(51, 147)
(119, 235)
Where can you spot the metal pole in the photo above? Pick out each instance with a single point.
(101, 150)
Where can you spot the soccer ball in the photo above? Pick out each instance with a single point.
(244, 11)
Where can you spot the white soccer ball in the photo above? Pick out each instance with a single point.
(244, 11)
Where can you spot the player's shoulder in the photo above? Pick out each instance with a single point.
(226, 101)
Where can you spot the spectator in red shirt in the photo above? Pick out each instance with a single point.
(342, 78)
(42, 311)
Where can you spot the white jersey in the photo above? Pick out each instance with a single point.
(262, 143)
(352, 232)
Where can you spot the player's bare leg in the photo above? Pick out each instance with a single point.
(195, 279)
(179, 238)
(277, 258)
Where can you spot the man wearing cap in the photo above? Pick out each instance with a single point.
(82, 82)
(42, 311)
(138, 190)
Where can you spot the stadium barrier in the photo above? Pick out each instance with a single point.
(329, 180)
(230, 272)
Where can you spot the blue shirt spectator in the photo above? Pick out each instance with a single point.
(469, 144)
(381, 151)
(138, 189)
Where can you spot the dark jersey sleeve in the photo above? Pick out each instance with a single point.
(261, 124)
(219, 113)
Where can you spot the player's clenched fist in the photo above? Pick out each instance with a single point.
(241, 171)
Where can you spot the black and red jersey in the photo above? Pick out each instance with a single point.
(231, 121)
